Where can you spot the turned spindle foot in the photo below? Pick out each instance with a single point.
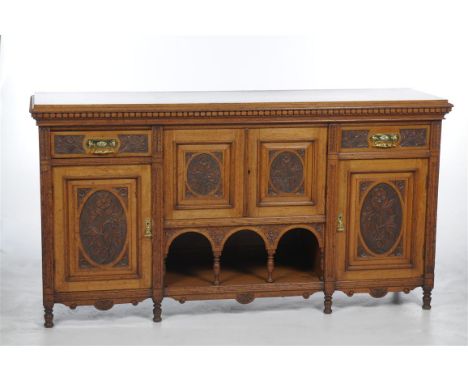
(427, 298)
(157, 311)
(327, 303)
(49, 316)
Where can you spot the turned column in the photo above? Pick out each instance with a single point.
(216, 266)
(270, 264)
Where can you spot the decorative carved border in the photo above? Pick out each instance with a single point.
(270, 233)
(283, 112)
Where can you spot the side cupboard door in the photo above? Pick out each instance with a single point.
(381, 218)
(102, 227)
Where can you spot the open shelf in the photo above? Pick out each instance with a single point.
(243, 261)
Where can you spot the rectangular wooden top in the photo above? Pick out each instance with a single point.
(40, 101)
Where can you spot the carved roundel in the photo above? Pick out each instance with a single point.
(381, 218)
(203, 174)
(103, 227)
(286, 172)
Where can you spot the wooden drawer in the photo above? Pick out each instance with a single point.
(376, 137)
(101, 143)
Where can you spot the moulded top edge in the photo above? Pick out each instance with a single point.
(325, 97)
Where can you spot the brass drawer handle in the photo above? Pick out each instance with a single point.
(102, 145)
(385, 141)
(148, 229)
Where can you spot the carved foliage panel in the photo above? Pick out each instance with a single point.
(203, 175)
(286, 172)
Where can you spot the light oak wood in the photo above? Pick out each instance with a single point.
(211, 195)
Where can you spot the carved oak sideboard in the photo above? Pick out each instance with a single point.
(236, 195)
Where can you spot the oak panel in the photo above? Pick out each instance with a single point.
(286, 173)
(383, 207)
(203, 174)
(99, 225)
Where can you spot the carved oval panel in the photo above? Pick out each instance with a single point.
(286, 172)
(203, 174)
(103, 227)
(381, 218)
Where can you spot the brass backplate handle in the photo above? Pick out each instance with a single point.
(148, 228)
(385, 141)
(339, 223)
(102, 145)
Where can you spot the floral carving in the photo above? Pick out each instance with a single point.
(286, 172)
(133, 143)
(245, 298)
(82, 192)
(203, 174)
(351, 139)
(69, 144)
(381, 218)
(103, 227)
(413, 137)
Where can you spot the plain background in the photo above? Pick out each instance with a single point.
(116, 46)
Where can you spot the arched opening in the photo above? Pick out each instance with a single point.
(189, 261)
(297, 257)
(243, 260)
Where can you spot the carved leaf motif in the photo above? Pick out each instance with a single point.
(204, 174)
(103, 227)
(133, 143)
(413, 137)
(354, 139)
(286, 173)
(69, 144)
(381, 218)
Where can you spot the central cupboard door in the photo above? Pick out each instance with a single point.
(203, 172)
(287, 171)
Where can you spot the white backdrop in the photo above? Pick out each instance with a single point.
(329, 44)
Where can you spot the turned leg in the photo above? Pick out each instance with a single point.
(216, 266)
(270, 264)
(327, 303)
(157, 310)
(48, 316)
(427, 291)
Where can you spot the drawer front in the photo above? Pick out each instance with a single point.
(287, 171)
(101, 143)
(383, 137)
(203, 172)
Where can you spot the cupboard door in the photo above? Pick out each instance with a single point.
(102, 231)
(203, 173)
(287, 171)
(381, 218)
